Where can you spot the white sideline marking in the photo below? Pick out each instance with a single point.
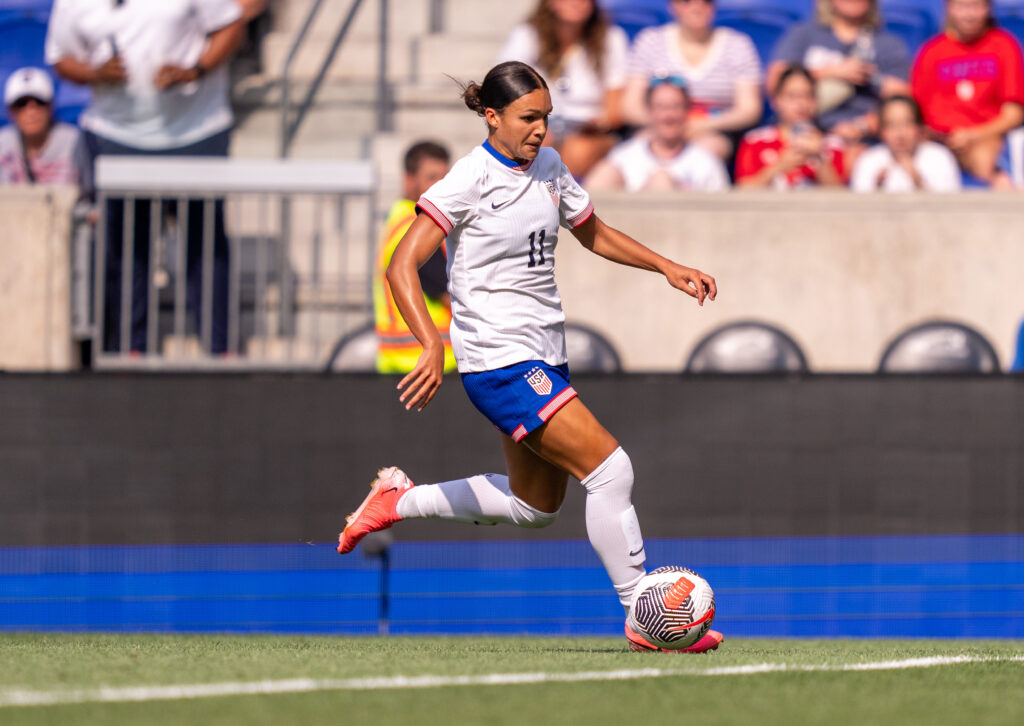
(107, 694)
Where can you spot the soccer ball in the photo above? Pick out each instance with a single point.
(672, 608)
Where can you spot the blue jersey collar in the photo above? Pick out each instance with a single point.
(510, 163)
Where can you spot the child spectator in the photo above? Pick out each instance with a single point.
(793, 153)
(721, 68)
(34, 149)
(583, 57)
(905, 161)
(855, 63)
(969, 82)
(661, 158)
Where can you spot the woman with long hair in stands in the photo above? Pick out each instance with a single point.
(501, 207)
(584, 57)
(969, 82)
(720, 66)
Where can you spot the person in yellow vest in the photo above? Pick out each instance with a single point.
(425, 163)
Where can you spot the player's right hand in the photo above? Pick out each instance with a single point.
(422, 382)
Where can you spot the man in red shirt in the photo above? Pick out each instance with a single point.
(969, 82)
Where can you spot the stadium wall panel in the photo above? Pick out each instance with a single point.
(917, 586)
(169, 459)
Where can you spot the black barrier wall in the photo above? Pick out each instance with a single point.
(108, 459)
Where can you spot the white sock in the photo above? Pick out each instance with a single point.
(480, 499)
(612, 525)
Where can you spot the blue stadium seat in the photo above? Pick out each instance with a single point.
(939, 346)
(910, 20)
(747, 347)
(764, 27)
(1011, 19)
(791, 10)
(635, 15)
(71, 99)
(21, 43)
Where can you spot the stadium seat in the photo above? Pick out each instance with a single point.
(911, 21)
(939, 346)
(1018, 359)
(21, 43)
(747, 347)
(71, 99)
(764, 27)
(356, 352)
(635, 15)
(589, 351)
(1011, 19)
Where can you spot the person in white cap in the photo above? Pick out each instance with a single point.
(35, 149)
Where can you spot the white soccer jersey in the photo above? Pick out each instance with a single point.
(502, 225)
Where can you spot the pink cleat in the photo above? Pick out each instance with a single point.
(710, 641)
(377, 511)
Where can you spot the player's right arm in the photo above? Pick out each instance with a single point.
(417, 246)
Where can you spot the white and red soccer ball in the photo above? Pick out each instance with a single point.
(672, 608)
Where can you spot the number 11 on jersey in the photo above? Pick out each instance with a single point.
(536, 245)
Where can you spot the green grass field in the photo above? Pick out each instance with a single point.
(716, 688)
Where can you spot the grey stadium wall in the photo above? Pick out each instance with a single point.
(146, 459)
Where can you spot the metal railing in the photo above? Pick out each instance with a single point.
(213, 262)
(290, 125)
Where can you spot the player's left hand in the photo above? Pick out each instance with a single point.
(693, 282)
(423, 380)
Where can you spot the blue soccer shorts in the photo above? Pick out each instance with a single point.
(520, 397)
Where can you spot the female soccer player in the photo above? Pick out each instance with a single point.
(500, 208)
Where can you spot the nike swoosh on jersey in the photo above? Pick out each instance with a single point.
(634, 554)
(497, 206)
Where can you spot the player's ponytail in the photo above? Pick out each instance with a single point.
(502, 85)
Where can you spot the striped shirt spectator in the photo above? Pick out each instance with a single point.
(721, 68)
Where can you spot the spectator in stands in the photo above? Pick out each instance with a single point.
(969, 82)
(583, 57)
(905, 161)
(661, 158)
(35, 149)
(720, 65)
(793, 153)
(425, 163)
(855, 63)
(160, 88)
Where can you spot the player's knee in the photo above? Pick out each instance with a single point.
(614, 474)
(530, 517)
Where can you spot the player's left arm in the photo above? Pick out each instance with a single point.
(617, 246)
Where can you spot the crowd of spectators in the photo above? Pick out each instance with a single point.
(947, 106)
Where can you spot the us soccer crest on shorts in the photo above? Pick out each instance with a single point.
(539, 381)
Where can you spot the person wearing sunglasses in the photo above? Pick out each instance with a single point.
(721, 68)
(34, 149)
(661, 158)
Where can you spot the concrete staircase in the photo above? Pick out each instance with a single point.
(342, 122)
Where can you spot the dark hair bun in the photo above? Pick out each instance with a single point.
(471, 95)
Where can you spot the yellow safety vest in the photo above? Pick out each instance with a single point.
(399, 350)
